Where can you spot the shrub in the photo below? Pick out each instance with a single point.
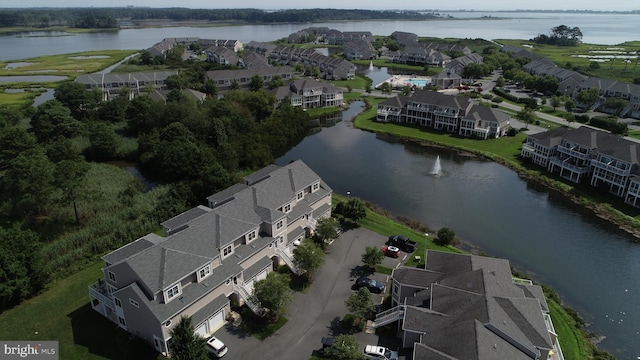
(445, 237)
(351, 322)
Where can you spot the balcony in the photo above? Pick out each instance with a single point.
(574, 153)
(99, 291)
(569, 166)
(610, 168)
(526, 148)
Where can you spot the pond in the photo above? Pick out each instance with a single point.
(593, 267)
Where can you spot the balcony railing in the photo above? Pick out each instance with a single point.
(569, 166)
(99, 291)
(250, 300)
(288, 260)
(389, 316)
(616, 170)
(577, 154)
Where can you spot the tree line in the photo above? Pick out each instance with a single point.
(109, 17)
(57, 206)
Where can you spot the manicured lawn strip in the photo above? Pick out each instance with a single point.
(571, 338)
(64, 65)
(383, 270)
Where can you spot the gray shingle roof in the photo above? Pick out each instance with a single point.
(156, 263)
(476, 311)
(133, 248)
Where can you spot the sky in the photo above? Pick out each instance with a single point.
(609, 5)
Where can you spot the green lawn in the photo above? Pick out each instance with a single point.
(62, 312)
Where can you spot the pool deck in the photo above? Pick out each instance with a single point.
(398, 81)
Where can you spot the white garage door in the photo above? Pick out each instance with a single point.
(202, 330)
(261, 276)
(216, 321)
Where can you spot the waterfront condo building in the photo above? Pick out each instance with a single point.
(210, 255)
(463, 306)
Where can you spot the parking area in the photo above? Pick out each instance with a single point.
(315, 314)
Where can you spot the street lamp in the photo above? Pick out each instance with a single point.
(348, 194)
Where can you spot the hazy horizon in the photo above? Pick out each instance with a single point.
(453, 5)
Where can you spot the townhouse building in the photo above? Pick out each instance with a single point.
(137, 83)
(458, 64)
(309, 93)
(358, 49)
(469, 307)
(571, 83)
(210, 255)
(226, 80)
(222, 56)
(420, 55)
(448, 113)
(330, 68)
(587, 155)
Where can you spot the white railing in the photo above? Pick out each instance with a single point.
(389, 316)
(98, 290)
(312, 223)
(288, 260)
(610, 168)
(250, 300)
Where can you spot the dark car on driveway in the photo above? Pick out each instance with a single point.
(372, 285)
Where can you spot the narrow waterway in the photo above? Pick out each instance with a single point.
(594, 268)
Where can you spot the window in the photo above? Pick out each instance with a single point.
(204, 272)
(134, 303)
(112, 276)
(117, 302)
(227, 251)
(172, 292)
(300, 195)
(121, 321)
(251, 236)
(279, 225)
(287, 208)
(315, 186)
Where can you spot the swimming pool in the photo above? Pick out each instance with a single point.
(416, 82)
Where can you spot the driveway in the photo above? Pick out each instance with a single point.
(311, 315)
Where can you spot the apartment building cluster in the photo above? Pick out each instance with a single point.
(469, 307)
(330, 68)
(454, 114)
(571, 83)
(211, 255)
(587, 155)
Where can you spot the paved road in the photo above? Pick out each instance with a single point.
(311, 315)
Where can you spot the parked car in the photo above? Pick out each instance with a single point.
(371, 284)
(374, 352)
(326, 342)
(216, 347)
(402, 242)
(391, 251)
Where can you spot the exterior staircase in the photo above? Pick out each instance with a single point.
(389, 316)
(288, 260)
(312, 223)
(250, 300)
